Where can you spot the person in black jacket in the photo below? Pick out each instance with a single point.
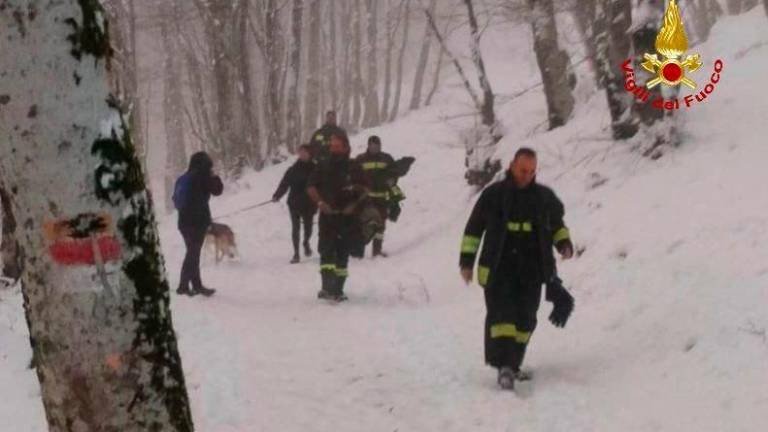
(336, 187)
(378, 168)
(518, 221)
(191, 195)
(321, 140)
(302, 208)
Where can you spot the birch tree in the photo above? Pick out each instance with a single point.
(553, 63)
(96, 294)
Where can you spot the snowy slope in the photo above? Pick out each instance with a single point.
(670, 321)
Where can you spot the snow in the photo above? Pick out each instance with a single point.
(669, 331)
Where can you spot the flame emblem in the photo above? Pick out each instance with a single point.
(671, 43)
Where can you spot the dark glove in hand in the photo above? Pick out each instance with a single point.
(562, 300)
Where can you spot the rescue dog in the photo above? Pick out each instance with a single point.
(221, 239)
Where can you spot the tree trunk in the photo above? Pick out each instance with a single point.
(358, 90)
(584, 18)
(173, 102)
(644, 41)
(733, 6)
(97, 298)
(435, 77)
(346, 89)
(293, 128)
(312, 95)
(9, 245)
(418, 81)
(251, 151)
(372, 83)
(274, 59)
(765, 4)
(613, 46)
(553, 63)
(400, 59)
(487, 108)
(333, 85)
(392, 23)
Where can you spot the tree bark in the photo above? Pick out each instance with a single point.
(584, 18)
(97, 298)
(553, 63)
(173, 102)
(358, 90)
(400, 59)
(765, 4)
(372, 83)
(293, 127)
(9, 245)
(733, 6)
(613, 45)
(251, 151)
(312, 95)
(274, 60)
(487, 108)
(333, 85)
(418, 81)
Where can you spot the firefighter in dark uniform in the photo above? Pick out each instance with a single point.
(301, 208)
(520, 221)
(321, 138)
(378, 169)
(337, 188)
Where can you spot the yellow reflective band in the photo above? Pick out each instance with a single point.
(561, 234)
(482, 275)
(396, 191)
(470, 244)
(520, 226)
(374, 165)
(508, 330)
(328, 267)
(319, 137)
(378, 194)
(342, 272)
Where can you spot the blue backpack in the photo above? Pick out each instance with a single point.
(181, 192)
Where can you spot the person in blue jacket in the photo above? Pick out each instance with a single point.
(191, 195)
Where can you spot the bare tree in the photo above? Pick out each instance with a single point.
(584, 12)
(400, 58)
(614, 18)
(357, 72)
(705, 13)
(312, 95)
(173, 99)
(553, 63)
(418, 80)
(372, 83)
(250, 152)
(293, 128)
(96, 295)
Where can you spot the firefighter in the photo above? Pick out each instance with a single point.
(301, 208)
(378, 170)
(336, 187)
(519, 221)
(321, 139)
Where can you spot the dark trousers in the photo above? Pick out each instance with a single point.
(334, 244)
(511, 304)
(194, 237)
(382, 206)
(301, 217)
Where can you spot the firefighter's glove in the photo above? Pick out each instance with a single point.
(562, 301)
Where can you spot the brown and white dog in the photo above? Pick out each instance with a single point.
(221, 239)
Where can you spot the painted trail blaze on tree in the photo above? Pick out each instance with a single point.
(96, 294)
(83, 240)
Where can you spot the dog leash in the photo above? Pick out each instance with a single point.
(243, 210)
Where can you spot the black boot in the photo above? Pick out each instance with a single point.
(340, 296)
(207, 292)
(377, 248)
(327, 291)
(295, 258)
(307, 249)
(184, 290)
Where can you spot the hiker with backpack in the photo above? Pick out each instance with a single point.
(191, 195)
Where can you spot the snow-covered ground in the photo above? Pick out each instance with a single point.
(669, 331)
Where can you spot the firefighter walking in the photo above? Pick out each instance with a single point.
(518, 221)
(378, 170)
(336, 187)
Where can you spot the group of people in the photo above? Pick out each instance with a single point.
(511, 233)
(327, 179)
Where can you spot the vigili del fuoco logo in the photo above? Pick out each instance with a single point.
(671, 69)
